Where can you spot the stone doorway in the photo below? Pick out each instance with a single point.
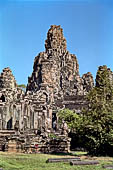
(54, 121)
(3, 148)
(2, 98)
(9, 123)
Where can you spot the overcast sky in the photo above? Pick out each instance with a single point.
(87, 27)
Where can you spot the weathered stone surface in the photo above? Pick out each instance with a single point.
(56, 71)
(68, 159)
(55, 39)
(88, 82)
(7, 79)
(56, 68)
(107, 166)
(92, 162)
(55, 83)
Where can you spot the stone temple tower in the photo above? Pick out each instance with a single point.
(54, 84)
(57, 70)
(56, 73)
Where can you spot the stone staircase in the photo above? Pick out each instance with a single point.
(6, 132)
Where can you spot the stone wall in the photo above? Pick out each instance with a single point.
(30, 142)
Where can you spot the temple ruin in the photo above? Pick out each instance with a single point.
(28, 118)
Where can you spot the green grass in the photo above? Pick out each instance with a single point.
(12, 161)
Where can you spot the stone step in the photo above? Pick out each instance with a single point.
(62, 160)
(92, 162)
(7, 132)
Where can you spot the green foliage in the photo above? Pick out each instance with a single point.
(97, 126)
(52, 135)
(72, 119)
(22, 86)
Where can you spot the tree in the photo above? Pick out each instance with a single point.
(97, 126)
(72, 119)
(74, 122)
(22, 86)
(93, 128)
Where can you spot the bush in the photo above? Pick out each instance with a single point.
(72, 119)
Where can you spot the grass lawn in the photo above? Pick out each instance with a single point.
(14, 161)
